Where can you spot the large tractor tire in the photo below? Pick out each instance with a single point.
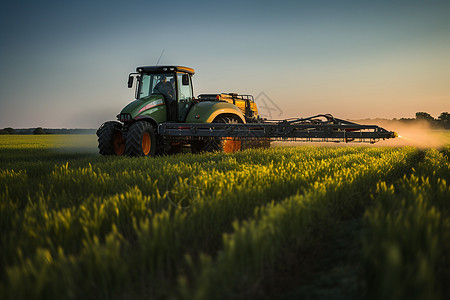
(141, 140)
(110, 139)
(227, 145)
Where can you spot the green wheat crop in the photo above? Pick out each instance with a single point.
(351, 222)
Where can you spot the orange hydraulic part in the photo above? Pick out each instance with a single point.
(118, 143)
(146, 143)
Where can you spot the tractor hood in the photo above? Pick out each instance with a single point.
(144, 106)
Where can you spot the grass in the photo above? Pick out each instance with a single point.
(341, 222)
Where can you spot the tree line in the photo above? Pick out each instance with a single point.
(442, 121)
(40, 130)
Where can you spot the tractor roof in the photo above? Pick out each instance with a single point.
(165, 69)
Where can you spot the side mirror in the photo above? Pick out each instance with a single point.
(130, 81)
(185, 79)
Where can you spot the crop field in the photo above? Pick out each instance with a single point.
(285, 223)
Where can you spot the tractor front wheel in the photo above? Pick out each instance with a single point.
(110, 139)
(141, 140)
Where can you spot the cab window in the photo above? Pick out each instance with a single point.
(185, 97)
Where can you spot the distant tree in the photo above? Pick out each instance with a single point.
(407, 120)
(8, 130)
(424, 116)
(444, 117)
(39, 130)
(444, 120)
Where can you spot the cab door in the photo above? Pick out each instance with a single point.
(185, 95)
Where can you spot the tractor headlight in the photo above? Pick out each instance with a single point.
(124, 117)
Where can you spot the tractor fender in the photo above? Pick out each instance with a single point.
(149, 119)
(207, 111)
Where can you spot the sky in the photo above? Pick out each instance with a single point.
(65, 64)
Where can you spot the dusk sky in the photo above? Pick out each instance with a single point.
(65, 64)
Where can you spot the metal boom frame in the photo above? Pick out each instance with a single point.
(309, 129)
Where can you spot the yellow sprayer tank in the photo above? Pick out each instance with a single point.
(245, 103)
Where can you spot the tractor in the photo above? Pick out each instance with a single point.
(165, 117)
(165, 94)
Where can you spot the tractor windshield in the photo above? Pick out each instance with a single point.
(163, 84)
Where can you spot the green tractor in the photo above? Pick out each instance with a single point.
(165, 117)
(164, 94)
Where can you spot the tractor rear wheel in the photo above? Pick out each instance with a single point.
(227, 145)
(141, 140)
(110, 139)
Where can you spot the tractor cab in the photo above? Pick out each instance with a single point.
(171, 83)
